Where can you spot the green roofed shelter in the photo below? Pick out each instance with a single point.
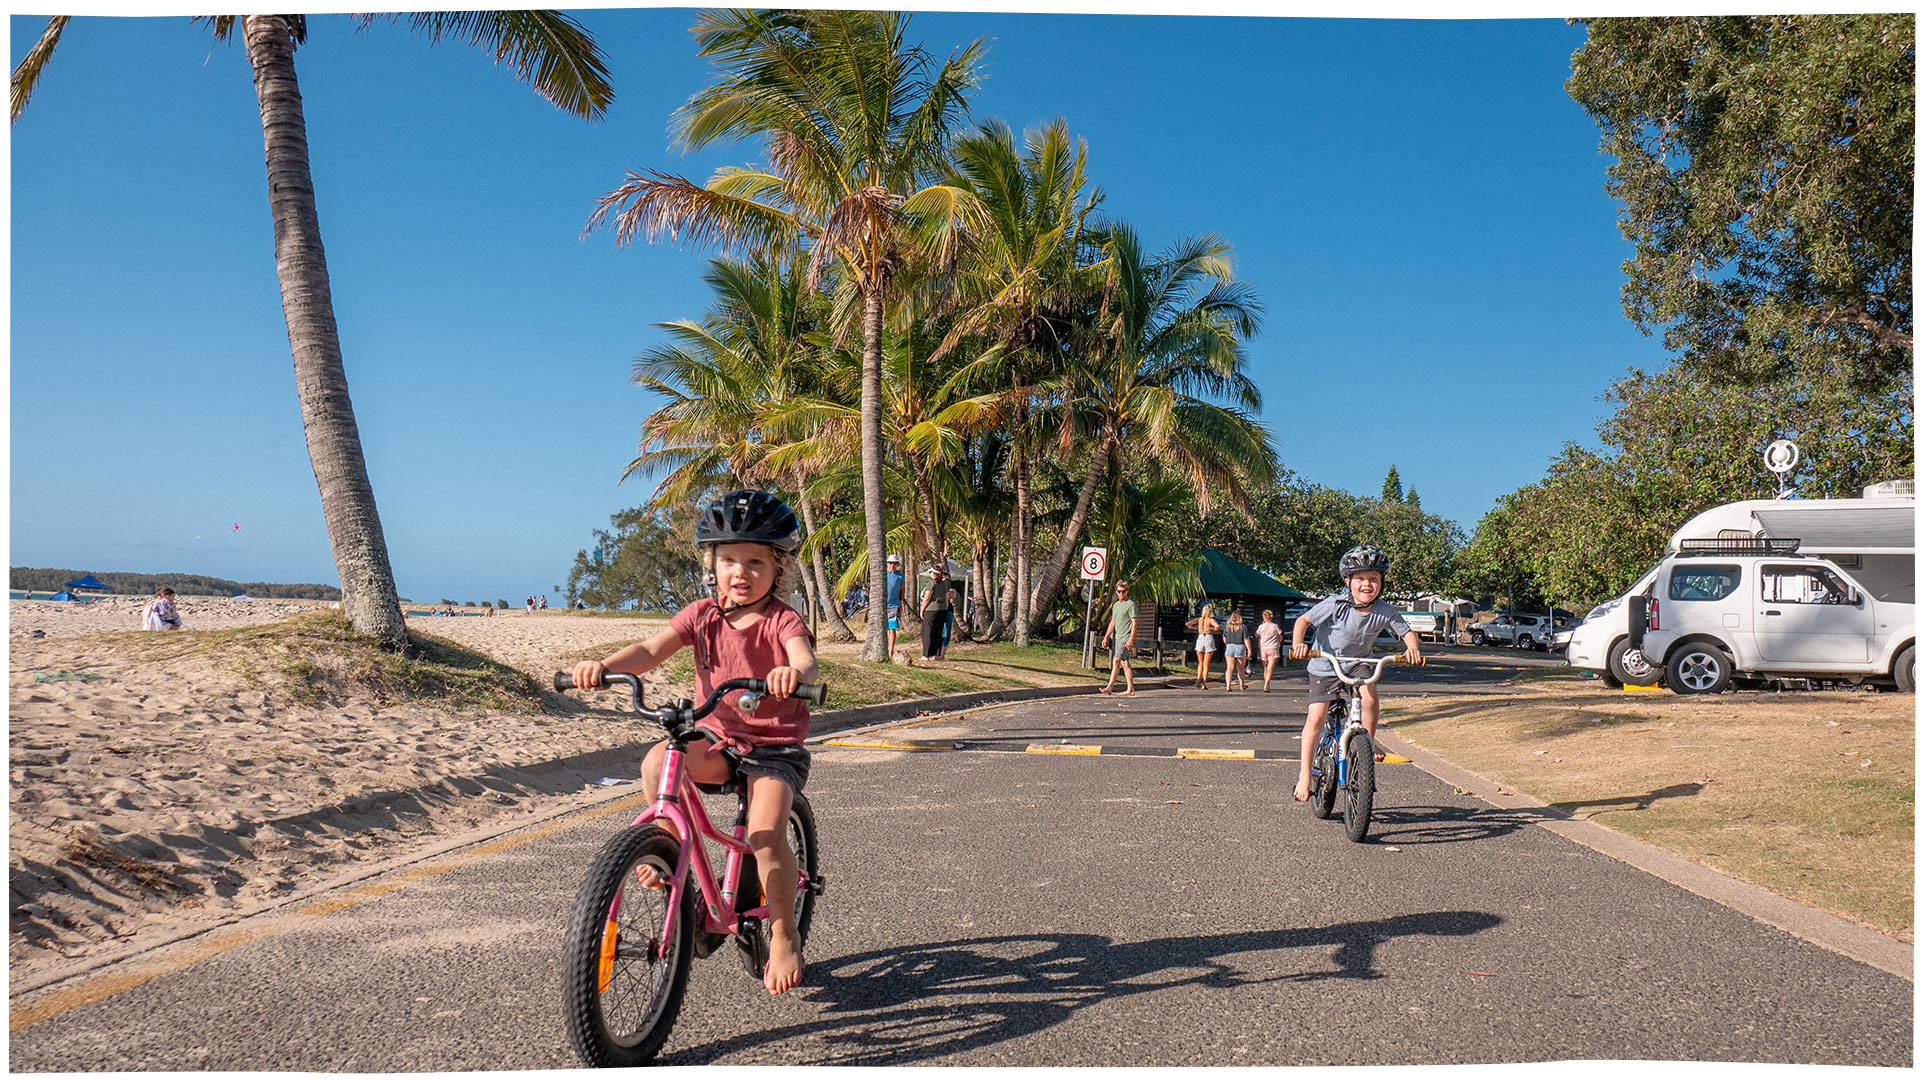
(1227, 579)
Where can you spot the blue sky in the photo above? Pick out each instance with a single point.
(1419, 203)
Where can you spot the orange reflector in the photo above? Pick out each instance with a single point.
(609, 943)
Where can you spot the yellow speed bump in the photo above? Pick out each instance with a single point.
(1395, 759)
(1636, 686)
(1060, 748)
(1186, 753)
(894, 744)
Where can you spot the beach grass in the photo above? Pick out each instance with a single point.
(1809, 794)
(320, 659)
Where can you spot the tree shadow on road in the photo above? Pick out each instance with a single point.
(919, 1003)
(1573, 807)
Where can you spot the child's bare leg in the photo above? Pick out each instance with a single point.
(1309, 737)
(1267, 683)
(704, 763)
(1370, 714)
(768, 801)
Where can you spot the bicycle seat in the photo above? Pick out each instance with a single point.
(730, 787)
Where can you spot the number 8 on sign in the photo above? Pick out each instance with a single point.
(1093, 563)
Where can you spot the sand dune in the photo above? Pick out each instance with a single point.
(156, 795)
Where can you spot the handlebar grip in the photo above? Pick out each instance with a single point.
(813, 692)
(562, 680)
(1401, 658)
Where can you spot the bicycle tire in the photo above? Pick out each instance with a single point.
(1359, 805)
(1322, 788)
(598, 979)
(803, 838)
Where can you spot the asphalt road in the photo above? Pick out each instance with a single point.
(990, 905)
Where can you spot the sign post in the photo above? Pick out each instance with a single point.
(1093, 567)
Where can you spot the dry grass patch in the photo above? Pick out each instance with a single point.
(1807, 794)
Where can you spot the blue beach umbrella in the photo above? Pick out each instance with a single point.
(89, 582)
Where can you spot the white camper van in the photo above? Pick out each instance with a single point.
(1869, 541)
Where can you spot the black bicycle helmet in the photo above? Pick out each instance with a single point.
(748, 517)
(1364, 557)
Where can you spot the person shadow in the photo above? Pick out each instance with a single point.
(918, 1003)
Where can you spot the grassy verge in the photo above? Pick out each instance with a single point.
(1807, 794)
(852, 683)
(319, 659)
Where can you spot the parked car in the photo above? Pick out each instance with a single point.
(1519, 631)
(1563, 628)
(1717, 611)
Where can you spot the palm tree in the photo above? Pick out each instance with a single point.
(547, 50)
(856, 125)
(1019, 269)
(1166, 341)
(728, 379)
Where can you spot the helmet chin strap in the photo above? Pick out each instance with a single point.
(713, 587)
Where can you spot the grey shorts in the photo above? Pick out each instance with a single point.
(789, 762)
(1322, 687)
(1123, 652)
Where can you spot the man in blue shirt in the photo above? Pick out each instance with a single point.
(896, 581)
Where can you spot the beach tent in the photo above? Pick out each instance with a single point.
(89, 582)
(245, 597)
(63, 595)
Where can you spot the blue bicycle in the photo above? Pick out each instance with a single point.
(1344, 759)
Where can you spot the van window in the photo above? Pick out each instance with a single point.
(1691, 581)
(1801, 585)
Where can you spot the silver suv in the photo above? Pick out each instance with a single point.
(1520, 631)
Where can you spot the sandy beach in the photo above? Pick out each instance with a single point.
(152, 795)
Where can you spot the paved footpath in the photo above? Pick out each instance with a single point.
(991, 905)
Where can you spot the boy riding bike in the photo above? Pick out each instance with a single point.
(1346, 625)
(747, 540)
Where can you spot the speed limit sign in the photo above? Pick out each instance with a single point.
(1093, 563)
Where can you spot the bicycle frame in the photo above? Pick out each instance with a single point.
(1353, 718)
(679, 802)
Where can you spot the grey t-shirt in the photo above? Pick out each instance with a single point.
(1344, 630)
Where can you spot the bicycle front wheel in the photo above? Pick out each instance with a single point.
(624, 976)
(1359, 808)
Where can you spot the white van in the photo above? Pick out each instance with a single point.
(1870, 539)
(1719, 608)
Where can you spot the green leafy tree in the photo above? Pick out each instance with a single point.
(646, 560)
(856, 124)
(1764, 169)
(547, 50)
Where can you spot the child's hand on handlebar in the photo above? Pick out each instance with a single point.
(1299, 650)
(587, 674)
(781, 681)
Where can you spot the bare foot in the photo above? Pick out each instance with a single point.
(783, 964)
(1106, 689)
(1300, 791)
(647, 879)
(1127, 693)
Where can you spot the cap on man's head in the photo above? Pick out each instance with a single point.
(893, 558)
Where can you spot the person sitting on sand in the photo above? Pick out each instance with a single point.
(161, 614)
(746, 541)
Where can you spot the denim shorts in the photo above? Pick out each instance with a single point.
(1237, 650)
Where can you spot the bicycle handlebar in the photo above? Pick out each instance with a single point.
(1379, 665)
(674, 717)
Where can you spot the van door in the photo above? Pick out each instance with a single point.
(1801, 616)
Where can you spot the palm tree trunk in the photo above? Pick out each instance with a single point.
(977, 587)
(1056, 568)
(367, 593)
(1022, 543)
(812, 595)
(837, 627)
(872, 492)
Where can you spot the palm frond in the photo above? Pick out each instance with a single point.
(547, 50)
(26, 74)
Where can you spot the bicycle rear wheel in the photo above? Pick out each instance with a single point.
(624, 980)
(1359, 807)
(1325, 781)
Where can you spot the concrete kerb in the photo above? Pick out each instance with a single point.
(1883, 951)
(826, 722)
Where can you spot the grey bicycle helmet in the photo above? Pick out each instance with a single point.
(1364, 557)
(748, 517)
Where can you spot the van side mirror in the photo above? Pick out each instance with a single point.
(1855, 596)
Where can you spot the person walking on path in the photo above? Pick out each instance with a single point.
(1269, 634)
(161, 614)
(1122, 621)
(1234, 635)
(936, 605)
(896, 584)
(1203, 645)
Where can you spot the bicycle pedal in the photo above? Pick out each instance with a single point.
(817, 886)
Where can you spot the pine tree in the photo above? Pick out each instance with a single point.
(1413, 497)
(1390, 490)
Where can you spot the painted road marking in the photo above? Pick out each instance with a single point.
(90, 990)
(1060, 748)
(1187, 752)
(894, 744)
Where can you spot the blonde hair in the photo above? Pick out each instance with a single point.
(1267, 615)
(1235, 619)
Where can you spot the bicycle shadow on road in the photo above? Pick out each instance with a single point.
(1400, 825)
(916, 1003)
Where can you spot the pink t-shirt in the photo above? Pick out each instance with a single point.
(1269, 634)
(720, 653)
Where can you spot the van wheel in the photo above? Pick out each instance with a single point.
(1698, 668)
(1903, 670)
(1628, 665)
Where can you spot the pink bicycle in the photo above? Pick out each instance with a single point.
(629, 946)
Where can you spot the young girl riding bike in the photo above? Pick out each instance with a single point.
(746, 540)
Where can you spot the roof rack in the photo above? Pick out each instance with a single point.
(1752, 545)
